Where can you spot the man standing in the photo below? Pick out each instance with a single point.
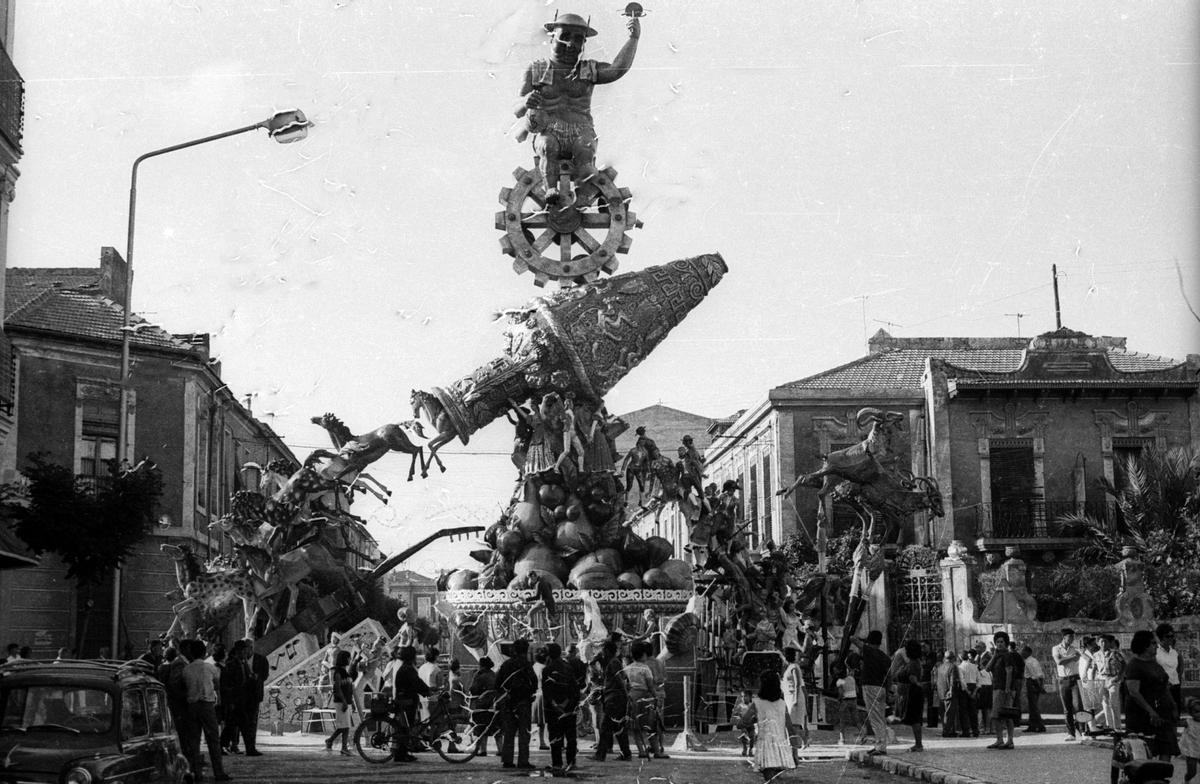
(948, 685)
(968, 672)
(203, 683)
(1003, 668)
(1167, 657)
(1112, 674)
(560, 699)
(233, 696)
(170, 673)
(517, 686)
(408, 689)
(259, 669)
(1066, 662)
(1035, 684)
(875, 670)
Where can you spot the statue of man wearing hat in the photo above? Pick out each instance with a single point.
(556, 98)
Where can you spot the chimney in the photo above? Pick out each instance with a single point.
(114, 273)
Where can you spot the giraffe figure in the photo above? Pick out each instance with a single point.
(211, 591)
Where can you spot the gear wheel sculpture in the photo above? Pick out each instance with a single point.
(543, 238)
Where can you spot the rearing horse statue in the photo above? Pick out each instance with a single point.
(355, 453)
(436, 414)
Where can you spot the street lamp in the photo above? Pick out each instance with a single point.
(283, 127)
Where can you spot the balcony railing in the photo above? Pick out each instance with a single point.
(87, 483)
(12, 101)
(1027, 518)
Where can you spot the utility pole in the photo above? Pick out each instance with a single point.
(1019, 316)
(1057, 309)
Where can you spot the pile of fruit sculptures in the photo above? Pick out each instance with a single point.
(565, 526)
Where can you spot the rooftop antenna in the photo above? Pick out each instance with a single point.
(887, 323)
(1057, 309)
(1018, 316)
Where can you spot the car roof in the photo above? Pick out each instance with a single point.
(97, 673)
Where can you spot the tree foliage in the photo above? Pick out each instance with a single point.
(1157, 518)
(93, 526)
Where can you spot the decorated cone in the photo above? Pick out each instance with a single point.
(583, 339)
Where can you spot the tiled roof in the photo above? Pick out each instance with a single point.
(903, 368)
(81, 314)
(25, 283)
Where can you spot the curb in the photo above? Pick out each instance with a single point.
(912, 770)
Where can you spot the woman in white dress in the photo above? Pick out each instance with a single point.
(773, 750)
(794, 695)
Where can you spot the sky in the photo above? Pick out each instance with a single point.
(914, 165)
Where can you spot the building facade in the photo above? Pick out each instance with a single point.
(12, 122)
(65, 328)
(1015, 431)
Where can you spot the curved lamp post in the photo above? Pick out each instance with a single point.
(283, 127)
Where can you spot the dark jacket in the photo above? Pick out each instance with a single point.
(260, 669)
(233, 684)
(409, 685)
(560, 688)
(616, 689)
(875, 666)
(516, 680)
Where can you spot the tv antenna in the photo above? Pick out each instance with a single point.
(1018, 317)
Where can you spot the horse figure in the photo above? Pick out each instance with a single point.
(893, 496)
(356, 452)
(207, 590)
(862, 463)
(438, 418)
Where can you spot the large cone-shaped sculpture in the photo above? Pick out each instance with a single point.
(582, 339)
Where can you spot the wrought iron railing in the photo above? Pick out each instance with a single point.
(1028, 518)
(12, 101)
(91, 484)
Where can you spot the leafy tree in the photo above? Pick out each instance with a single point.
(1157, 519)
(92, 526)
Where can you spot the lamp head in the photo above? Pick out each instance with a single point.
(287, 127)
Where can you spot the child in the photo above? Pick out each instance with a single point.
(842, 710)
(741, 714)
(1189, 741)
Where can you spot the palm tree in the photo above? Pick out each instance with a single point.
(1156, 518)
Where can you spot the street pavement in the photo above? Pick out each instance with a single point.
(1038, 759)
(303, 759)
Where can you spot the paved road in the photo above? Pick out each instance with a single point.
(303, 760)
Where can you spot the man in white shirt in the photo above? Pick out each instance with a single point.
(433, 676)
(1066, 662)
(968, 672)
(1167, 657)
(1035, 684)
(203, 682)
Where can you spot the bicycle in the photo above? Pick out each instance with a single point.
(1132, 764)
(453, 734)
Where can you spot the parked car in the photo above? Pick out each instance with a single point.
(87, 722)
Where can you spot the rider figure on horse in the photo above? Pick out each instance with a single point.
(556, 99)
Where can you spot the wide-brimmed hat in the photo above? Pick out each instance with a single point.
(570, 20)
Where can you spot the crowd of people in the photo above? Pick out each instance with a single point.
(993, 688)
(619, 694)
(213, 694)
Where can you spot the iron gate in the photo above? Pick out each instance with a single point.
(917, 609)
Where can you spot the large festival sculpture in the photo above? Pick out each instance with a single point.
(561, 562)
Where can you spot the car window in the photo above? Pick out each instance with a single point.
(41, 707)
(156, 711)
(133, 715)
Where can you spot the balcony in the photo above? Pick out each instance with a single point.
(12, 102)
(1017, 520)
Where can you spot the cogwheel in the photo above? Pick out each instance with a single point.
(568, 243)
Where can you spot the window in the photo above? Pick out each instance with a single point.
(202, 460)
(768, 502)
(1127, 452)
(86, 710)
(133, 715)
(156, 711)
(1014, 505)
(99, 428)
(752, 509)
